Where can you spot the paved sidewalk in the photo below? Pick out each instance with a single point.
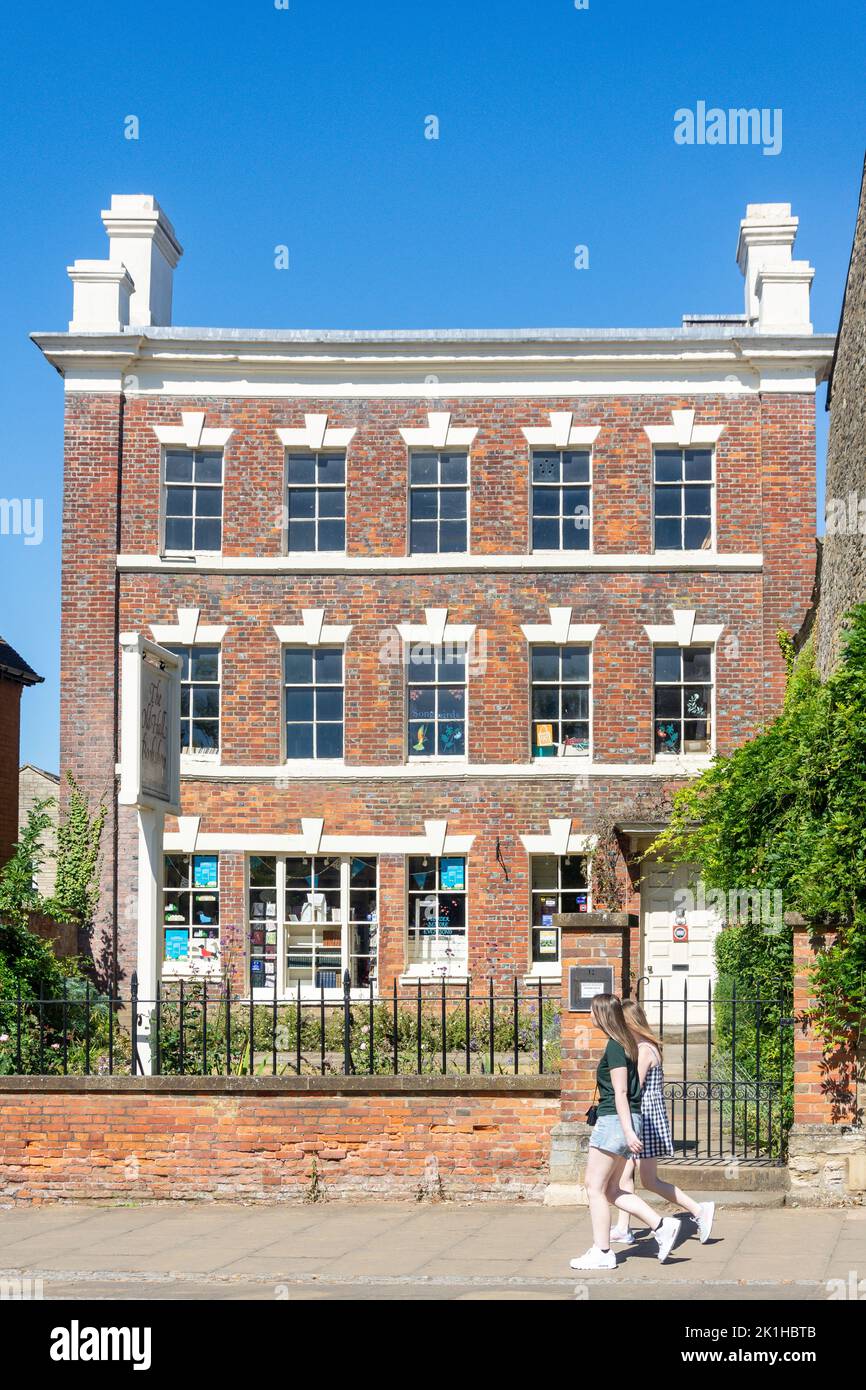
(410, 1250)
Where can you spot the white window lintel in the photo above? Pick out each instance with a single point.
(313, 631)
(561, 433)
(436, 629)
(684, 631)
(560, 840)
(683, 432)
(191, 433)
(439, 433)
(560, 629)
(188, 631)
(315, 434)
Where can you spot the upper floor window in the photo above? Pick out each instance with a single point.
(683, 696)
(438, 503)
(437, 700)
(683, 486)
(561, 499)
(313, 683)
(560, 701)
(199, 698)
(316, 502)
(193, 498)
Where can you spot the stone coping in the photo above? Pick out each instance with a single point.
(547, 1086)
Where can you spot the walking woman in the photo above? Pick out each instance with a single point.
(616, 1140)
(656, 1132)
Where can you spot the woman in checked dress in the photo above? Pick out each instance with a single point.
(655, 1133)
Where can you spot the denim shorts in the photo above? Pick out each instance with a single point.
(607, 1134)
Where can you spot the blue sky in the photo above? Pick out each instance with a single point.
(304, 126)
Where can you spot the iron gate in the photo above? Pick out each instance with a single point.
(728, 1062)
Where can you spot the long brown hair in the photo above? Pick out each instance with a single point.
(638, 1023)
(607, 1011)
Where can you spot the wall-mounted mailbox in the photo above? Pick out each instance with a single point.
(584, 983)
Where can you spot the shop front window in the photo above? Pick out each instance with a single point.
(437, 915)
(559, 884)
(191, 914)
(311, 917)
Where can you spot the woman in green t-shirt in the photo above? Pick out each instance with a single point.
(615, 1139)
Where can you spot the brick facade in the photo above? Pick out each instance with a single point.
(765, 499)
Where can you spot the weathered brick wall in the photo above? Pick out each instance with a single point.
(843, 571)
(205, 1141)
(10, 733)
(765, 502)
(88, 641)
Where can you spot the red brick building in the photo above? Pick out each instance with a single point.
(449, 604)
(15, 674)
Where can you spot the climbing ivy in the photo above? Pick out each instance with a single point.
(787, 811)
(76, 893)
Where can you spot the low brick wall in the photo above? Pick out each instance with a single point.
(274, 1139)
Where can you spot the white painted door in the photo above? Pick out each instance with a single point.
(669, 903)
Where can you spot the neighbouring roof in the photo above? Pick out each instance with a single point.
(40, 771)
(15, 668)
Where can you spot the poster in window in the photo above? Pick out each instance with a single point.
(205, 871)
(176, 945)
(547, 942)
(451, 873)
(544, 735)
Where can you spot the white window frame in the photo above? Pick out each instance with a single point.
(424, 972)
(314, 488)
(561, 549)
(435, 631)
(186, 969)
(312, 632)
(683, 433)
(286, 992)
(682, 485)
(163, 500)
(439, 487)
(560, 841)
(560, 631)
(685, 632)
(188, 631)
(552, 970)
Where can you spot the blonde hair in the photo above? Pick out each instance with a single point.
(607, 1011)
(638, 1023)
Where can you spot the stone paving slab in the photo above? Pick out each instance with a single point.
(411, 1250)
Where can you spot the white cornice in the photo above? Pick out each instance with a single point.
(557, 363)
(420, 770)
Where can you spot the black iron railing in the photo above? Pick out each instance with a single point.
(200, 1028)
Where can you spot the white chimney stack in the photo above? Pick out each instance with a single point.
(777, 287)
(133, 287)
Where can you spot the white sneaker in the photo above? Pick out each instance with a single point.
(595, 1259)
(622, 1236)
(666, 1234)
(704, 1222)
